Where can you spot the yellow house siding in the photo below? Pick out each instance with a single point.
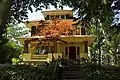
(82, 47)
(66, 56)
(83, 54)
(62, 49)
(58, 48)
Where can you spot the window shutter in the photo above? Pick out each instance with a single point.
(86, 46)
(66, 50)
(33, 30)
(26, 46)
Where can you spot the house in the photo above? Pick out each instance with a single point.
(40, 49)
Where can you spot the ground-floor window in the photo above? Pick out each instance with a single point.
(45, 50)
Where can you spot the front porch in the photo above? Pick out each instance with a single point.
(29, 58)
(43, 58)
(40, 49)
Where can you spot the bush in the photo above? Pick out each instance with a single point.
(28, 72)
(10, 50)
(101, 72)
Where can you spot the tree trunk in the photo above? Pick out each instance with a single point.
(5, 7)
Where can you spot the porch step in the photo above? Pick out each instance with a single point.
(69, 73)
(72, 71)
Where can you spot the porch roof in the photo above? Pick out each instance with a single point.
(69, 38)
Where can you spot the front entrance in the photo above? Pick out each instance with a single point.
(72, 52)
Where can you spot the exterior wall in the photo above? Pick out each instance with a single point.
(61, 49)
(62, 46)
(57, 12)
(74, 40)
(69, 20)
(26, 56)
(31, 23)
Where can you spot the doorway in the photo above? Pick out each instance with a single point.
(72, 52)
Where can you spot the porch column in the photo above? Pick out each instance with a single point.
(26, 42)
(26, 55)
(85, 46)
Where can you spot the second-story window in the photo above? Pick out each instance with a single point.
(52, 17)
(33, 30)
(78, 31)
(83, 32)
(62, 17)
(47, 17)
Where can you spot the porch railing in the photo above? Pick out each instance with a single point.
(43, 56)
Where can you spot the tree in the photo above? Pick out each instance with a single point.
(16, 10)
(56, 28)
(96, 12)
(10, 50)
(14, 31)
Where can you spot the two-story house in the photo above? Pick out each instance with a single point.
(76, 45)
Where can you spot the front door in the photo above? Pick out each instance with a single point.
(72, 52)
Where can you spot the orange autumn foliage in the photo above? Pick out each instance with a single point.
(56, 28)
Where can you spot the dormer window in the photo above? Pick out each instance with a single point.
(52, 17)
(83, 31)
(57, 16)
(62, 16)
(47, 17)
